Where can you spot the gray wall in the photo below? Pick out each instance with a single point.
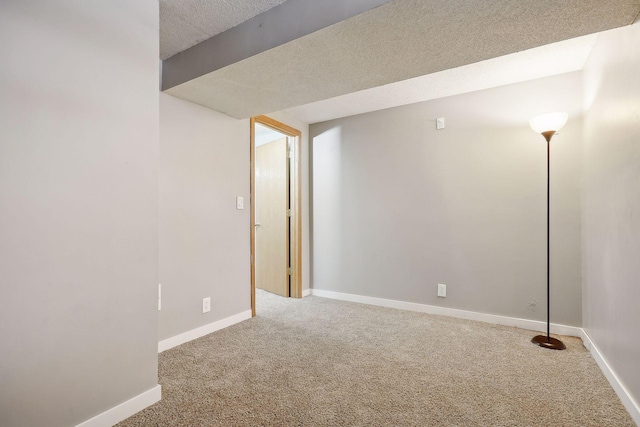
(204, 240)
(399, 207)
(611, 202)
(78, 208)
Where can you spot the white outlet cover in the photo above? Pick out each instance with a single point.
(206, 304)
(239, 202)
(440, 123)
(442, 290)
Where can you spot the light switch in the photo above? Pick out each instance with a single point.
(440, 123)
(239, 202)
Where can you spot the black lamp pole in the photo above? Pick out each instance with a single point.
(542, 340)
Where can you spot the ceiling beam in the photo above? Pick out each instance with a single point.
(397, 41)
(282, 24)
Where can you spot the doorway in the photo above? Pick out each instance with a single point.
(276, 227)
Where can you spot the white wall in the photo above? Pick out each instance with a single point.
(78, 208)
(204, 240)
(399, 207)
(611, 202)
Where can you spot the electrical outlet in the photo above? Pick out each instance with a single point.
(442, 290)
(440, 123)
(206, 304)
(239, 202)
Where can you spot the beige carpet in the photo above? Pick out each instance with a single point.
(320, 362)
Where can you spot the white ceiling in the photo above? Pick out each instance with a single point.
(549, 60)
(404, 52)
(265, 135)
(184, 23)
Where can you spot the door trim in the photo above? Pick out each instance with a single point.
(295, 231)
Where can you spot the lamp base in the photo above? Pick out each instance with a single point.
(548, 342)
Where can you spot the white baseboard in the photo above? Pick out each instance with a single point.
(124, 410)
(306, 293)
(202, 331)
(629, 403)
(533, 325)
(149, 397)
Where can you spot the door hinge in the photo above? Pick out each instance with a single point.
(289, 213)
(290, 154)
(290, 271)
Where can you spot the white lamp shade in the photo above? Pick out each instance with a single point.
(551, 122)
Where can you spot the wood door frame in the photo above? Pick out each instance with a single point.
(295, 229)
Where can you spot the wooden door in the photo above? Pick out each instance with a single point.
(272, 231)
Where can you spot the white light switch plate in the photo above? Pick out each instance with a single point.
(239, 203)
(440, 123)
(206, 304)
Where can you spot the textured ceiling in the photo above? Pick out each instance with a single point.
(401, 40)
(544, 61)
(184, 23)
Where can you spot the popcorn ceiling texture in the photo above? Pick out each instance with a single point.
(544, 61)
(397, 41)
(320, 362)
(184, 23)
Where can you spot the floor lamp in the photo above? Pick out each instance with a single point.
(548, 125)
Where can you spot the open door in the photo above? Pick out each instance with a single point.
(272, 219)
(292, 212)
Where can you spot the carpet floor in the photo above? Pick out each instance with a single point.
(321, 362)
